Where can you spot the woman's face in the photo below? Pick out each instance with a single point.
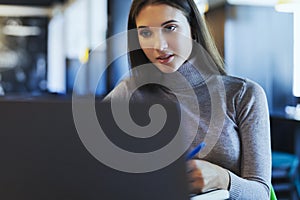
(165, 36)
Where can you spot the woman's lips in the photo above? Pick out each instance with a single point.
(165, 59)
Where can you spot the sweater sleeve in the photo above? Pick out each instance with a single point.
(252, 118)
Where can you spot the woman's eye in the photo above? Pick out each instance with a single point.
(145, 33)
(170, 28)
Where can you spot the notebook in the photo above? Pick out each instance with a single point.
(212, 195)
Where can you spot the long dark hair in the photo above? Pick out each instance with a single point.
(197, 23)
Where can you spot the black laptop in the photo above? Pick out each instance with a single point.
(42, 157)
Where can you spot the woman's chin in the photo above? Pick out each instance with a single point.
(167, 69)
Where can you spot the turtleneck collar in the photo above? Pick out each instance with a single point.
(193, 73)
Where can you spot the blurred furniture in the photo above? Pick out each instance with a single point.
(285, 177)
(285, 133)
(1, 88)
(272, 193)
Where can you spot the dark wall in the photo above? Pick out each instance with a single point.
(259, 46)
(215, 19)
(117, 23)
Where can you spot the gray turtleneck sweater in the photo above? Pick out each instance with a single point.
(233, 120)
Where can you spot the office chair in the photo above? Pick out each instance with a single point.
(285, 177)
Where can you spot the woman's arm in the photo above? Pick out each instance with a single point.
(253, 177)
(254, 130)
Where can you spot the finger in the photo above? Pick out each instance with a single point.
(191, 177)
(191, 165)
(195, 187)
(194, 176)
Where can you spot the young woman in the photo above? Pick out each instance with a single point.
(168, 37)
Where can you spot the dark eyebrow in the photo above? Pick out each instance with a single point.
(167, 22)
(142, 27)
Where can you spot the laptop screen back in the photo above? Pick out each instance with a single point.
(42, 157)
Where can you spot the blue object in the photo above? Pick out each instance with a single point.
(196, 150)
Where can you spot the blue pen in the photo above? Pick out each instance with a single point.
(196, 150)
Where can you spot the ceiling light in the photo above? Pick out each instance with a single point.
(288, 5)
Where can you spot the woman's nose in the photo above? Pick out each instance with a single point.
(161, 43)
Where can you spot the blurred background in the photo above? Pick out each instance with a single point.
(43, 44)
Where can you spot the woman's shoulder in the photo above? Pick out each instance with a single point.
(241, 85)
(235, 80)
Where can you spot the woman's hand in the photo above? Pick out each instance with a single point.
(204, 176)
